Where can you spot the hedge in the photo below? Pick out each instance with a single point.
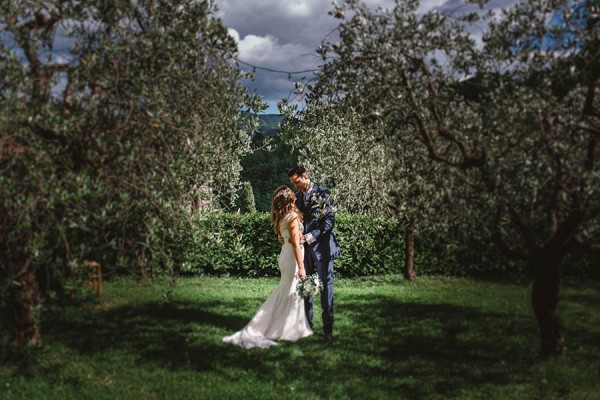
(246, 245)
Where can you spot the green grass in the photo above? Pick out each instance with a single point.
(438, 338)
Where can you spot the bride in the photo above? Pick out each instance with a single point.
(282, 316)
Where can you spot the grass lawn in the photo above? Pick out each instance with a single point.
(440, 338)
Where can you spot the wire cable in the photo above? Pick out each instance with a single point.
(288, 73)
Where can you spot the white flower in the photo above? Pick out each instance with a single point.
(309, 286)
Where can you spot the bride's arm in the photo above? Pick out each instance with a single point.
(294, 229)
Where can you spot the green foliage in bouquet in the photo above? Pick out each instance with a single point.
(309, 287)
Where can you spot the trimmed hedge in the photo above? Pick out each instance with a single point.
(246, 245)
(233, 244)
(368, 245)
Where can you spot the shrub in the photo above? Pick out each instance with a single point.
(232, 244)
(246, 245)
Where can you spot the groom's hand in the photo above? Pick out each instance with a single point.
(302, 239)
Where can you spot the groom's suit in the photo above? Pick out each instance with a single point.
(321, 247)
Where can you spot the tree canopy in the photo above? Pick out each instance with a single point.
(117, 118)
(508, 126)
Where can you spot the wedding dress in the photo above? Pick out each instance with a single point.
(281, 316)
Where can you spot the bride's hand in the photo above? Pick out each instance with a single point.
(301, 273)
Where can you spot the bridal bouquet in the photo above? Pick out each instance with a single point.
(309, 286)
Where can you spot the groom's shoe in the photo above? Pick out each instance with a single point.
(328, 338)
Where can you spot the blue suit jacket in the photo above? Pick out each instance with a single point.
(319, 219)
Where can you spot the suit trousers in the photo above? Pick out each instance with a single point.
(324, 269)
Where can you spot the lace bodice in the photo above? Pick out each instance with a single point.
(283, 226)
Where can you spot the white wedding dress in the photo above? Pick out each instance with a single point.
(282, 316)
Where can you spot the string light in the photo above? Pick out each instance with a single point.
(289, 73)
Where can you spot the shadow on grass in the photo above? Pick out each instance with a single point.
(163, 333)
(583, 329)
(404, 348)
(588, 299)
(445, 346)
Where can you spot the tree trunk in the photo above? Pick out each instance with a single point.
(544, 299)
(141, 256)
(409, 255)
(27, 302)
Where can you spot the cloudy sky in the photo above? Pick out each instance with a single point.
(278, 35)
(282, 35)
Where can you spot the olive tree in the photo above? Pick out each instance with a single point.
(117, 119)
(513, 120)
(367, 168)
(327, 147)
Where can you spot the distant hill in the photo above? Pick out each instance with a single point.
(269, 124)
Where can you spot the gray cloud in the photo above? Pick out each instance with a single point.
(284, 34)
(279, 35)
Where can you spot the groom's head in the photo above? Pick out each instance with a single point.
(299, 178)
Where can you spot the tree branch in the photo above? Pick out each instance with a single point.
(553, 221)
(503, 244)
(564, 234)
(591, 153)
(581, 243)
(524, 229)
(467, 160)
(588, 128)
(588, 108)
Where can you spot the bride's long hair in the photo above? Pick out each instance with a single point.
(282, 204)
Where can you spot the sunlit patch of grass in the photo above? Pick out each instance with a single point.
(435, 338)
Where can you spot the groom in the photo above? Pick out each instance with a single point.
(321, 246)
